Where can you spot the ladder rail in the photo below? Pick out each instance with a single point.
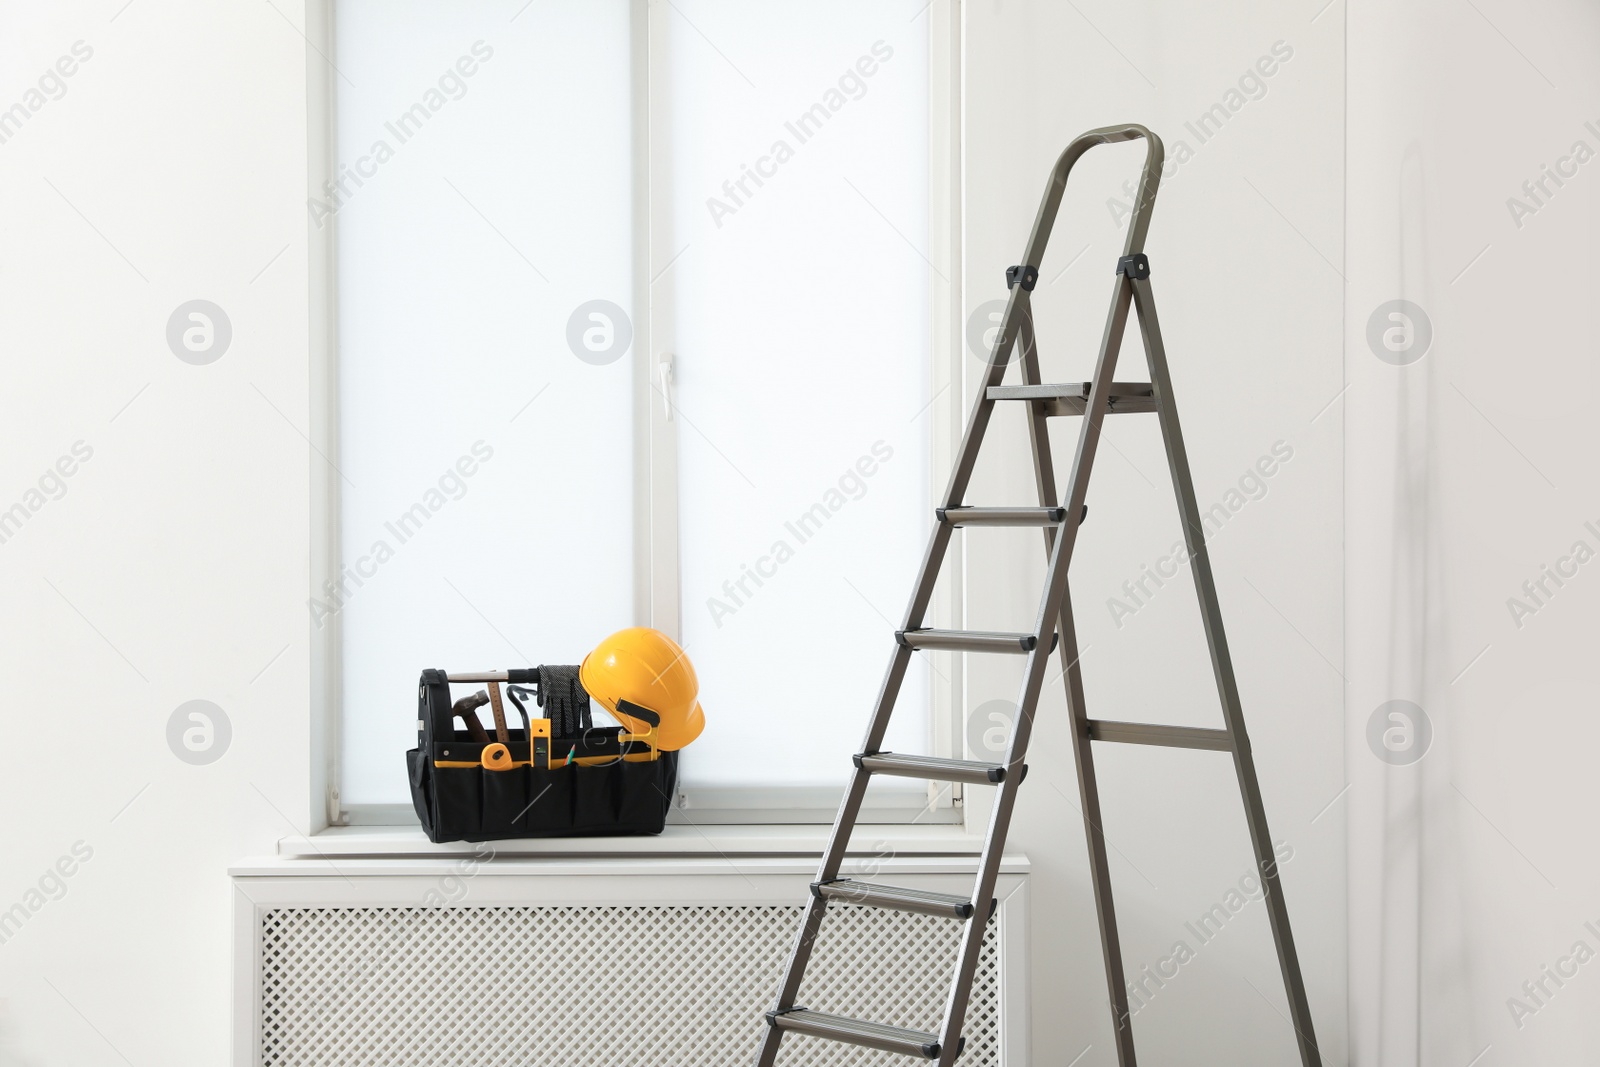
(1019, 306)
(1082, 750)
(1227, 685)
(1149, 182)
(843, 826)
(1018, 310)
(844, 822)
(1099, 860)
(1045, 623)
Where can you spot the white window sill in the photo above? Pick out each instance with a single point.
(720, 841)
(359, 877)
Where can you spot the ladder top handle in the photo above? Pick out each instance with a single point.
(1149, 182)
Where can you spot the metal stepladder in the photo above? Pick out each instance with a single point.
(1054, 627)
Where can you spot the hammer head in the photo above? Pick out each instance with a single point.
(470, 703)
(467, 708)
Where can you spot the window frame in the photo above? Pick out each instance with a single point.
(657, 595)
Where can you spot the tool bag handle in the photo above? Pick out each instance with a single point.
(435, 709)
(435, 705)
(522, 676)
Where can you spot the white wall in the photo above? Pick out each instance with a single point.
(1246, 250)
(175, 565)
(1470, 469)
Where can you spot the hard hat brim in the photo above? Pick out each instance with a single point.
(671, 737)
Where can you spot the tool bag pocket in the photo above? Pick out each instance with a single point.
(543, 790)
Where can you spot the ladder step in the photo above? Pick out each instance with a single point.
(1144, 733)
(896, 897)
(970, 641)
(1002, 516)
(934, 768)
(1127, 398)
(858, 1032)
(965, 516)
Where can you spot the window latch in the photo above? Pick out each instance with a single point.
(664, 383)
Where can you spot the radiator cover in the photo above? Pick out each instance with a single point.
(637, 963)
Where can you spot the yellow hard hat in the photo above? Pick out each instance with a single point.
(645, 667)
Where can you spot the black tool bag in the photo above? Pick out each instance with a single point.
(578, 781)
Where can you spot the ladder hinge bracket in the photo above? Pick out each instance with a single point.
(1028, 276)
(1136, 266)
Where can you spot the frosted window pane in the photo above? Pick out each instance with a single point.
(801, 341)
(494, 198)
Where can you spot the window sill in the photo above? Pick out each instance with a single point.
(367, 878)
(378, 842)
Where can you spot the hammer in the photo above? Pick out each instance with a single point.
(467, 709)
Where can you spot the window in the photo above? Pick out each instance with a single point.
(634, 308)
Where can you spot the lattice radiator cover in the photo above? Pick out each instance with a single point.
(595, 986)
